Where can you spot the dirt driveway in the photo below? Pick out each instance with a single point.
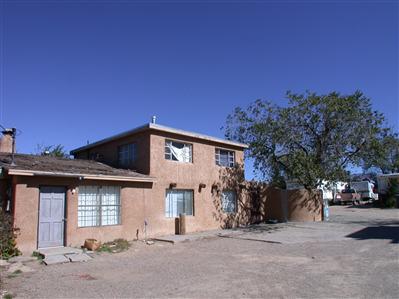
(355, 254)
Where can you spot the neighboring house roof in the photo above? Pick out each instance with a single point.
(152, 126)
(34, 165)
(395, 174)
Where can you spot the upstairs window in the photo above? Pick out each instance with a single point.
(178, 151)
(224, 158)
(127, 154)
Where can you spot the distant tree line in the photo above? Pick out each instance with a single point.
(57, 150)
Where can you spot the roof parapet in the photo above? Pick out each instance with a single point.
(154, 126)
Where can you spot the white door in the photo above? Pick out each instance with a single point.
(51, 217)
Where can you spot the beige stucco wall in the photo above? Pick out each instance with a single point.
(26, 212)
(202, 170)
(304, 205)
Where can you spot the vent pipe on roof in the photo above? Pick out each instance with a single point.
(153, 119)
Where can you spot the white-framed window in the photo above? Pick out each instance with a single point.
(99, 206)
(178, 151)
(224, 157)
(229, 201)
(127, 154)
(179, 202)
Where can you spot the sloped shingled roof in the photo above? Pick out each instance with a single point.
(54, 166)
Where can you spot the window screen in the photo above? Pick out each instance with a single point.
(98, 205)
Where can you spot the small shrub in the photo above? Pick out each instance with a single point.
(8, 235)
(118, 245)
(392, 193)
(37, 255)
(7, 296)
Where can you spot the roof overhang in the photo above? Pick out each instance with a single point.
(100, 177)
(395, 174)
(161, 128)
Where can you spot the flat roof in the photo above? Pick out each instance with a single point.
(152, 126)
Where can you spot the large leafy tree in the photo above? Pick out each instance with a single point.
(383, 153)
(313, 138)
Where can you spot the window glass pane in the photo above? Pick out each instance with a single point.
(188, 208)
(98, 205)
(177, 202)
(88, 205)
(229, 201)
(178, 151)
(127, 154)
(180, 202)
(168, 205)
(224, 158)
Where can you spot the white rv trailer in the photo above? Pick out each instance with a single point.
(365, 189)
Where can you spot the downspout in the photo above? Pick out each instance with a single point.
(13, 197)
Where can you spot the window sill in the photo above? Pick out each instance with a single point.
(187, 216)
(189, 163)
(100, 226)
(230, 214)
(225, 166)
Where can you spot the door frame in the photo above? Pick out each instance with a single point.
(65, 214)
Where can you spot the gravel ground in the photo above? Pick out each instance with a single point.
(355, 254)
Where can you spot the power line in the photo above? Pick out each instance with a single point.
(2, 62)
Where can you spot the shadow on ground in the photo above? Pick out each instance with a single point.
(260, 228)
(377, 232)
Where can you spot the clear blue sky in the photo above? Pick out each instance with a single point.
(74, 71)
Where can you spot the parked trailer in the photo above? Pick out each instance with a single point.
(365, 189)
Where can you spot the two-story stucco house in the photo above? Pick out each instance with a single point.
(123, 186)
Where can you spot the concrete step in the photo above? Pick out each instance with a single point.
(61, 255)
(45, 252)
(55, 259)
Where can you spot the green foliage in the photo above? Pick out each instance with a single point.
(313, 138)
(7, 237)
(118, 245)
(37, 255)
(52, 150)
(383, 152)
(392, 194)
